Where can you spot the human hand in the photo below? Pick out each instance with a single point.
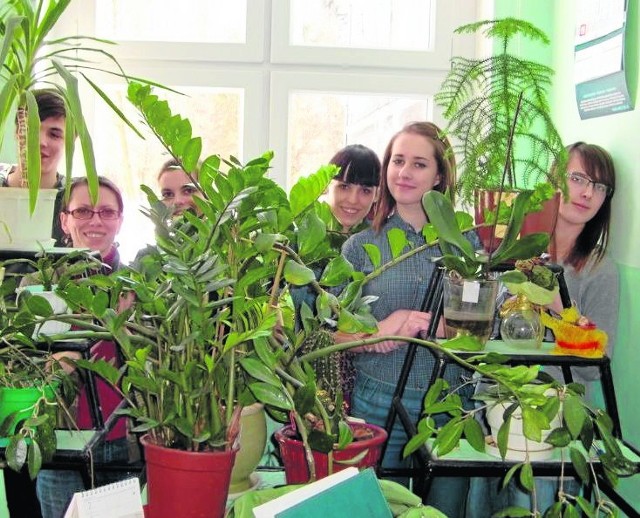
(402, 322)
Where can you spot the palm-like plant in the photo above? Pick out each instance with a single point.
(480, 98)
(29, 59)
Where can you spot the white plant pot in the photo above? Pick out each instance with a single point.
(518, 445)
(59, 306)
(20, 230)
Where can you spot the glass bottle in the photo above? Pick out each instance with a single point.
(521, 326)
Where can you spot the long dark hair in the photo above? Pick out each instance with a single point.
(592, 242)
(444, 157)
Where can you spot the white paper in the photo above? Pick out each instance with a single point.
(118, 500)
(471, 292)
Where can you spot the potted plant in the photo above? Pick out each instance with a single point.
(469, 290)
(544, 414)
(479, 98)
(33, 56)
(208, 328)
(31, 384)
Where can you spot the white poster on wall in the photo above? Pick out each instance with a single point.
(599, 73)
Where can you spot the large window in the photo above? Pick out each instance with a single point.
(300, 77)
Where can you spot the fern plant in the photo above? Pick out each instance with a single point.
(480, 97)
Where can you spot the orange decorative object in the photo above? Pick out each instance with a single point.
(576, 335)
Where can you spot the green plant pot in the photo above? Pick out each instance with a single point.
(20, 402)
(253, 438)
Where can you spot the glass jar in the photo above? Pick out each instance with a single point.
(521, 326)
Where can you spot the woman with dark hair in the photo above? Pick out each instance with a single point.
(580, 240)
(579, 243)
(352, 191)
(417, 159)
(92, 226)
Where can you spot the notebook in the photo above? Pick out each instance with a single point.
(118, 500)
(346, 493)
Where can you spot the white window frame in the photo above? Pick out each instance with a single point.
(283, 84)
(446, 16)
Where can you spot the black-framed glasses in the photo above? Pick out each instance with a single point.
(86, 213)
(583, 181)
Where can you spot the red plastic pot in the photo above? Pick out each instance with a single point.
(541, 221)
(186, 484)
(295, 463)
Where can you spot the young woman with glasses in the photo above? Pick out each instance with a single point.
(579, 243)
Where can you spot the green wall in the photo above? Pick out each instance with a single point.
(620, 134)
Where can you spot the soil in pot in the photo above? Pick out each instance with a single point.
(295, 463)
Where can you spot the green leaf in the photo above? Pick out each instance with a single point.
(304, 398)
(560, 437)
(580, 464)
(374, 254)
(345, 435)
(512, 512)
(463, 343)
(397, 241)
(416, 442)
(449, 436)
(320, 441)
(269, 395)
(191, 154)
(297, 274)
(526, 476)
(512, 471)
(337, 272)
(311, 232)
(503, 438)
(39, 306)
(474, 434)
(34, 457)
(442, 216)
(574, 414)
(260, 371)
(264, 242)
(308, 188)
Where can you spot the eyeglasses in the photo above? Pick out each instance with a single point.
(85, 213)
(582, 181)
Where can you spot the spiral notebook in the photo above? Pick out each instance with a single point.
(118, 500)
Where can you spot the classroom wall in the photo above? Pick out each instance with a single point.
(619, 134)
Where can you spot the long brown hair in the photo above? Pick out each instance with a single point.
(444, 158)
(592, 242)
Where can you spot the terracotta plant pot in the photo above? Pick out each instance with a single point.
(186, 484)
(253, 438)
(295, 463)
(541, 221)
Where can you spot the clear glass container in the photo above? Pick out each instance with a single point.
(521, 326)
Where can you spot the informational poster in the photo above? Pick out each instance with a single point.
(601, 85)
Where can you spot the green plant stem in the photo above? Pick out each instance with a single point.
(345, 346)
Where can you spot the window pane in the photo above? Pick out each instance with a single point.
(322, 123)
(216, 116)
(213, 21)
(385, 24)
